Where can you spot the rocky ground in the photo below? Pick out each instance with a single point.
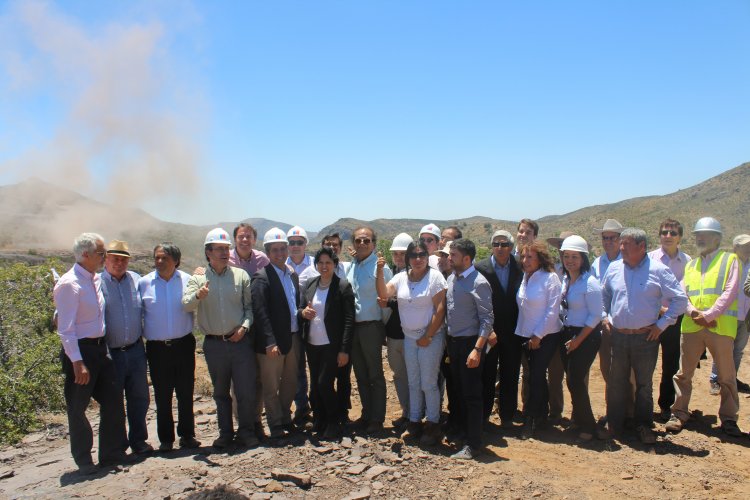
(700, 462)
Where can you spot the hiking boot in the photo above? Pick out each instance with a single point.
(413, 431)
(674, 425)
(431, 434)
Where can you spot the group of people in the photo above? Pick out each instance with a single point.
(456, 330)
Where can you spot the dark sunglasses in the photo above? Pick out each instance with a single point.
(501, 244)
(427, 240)
(609, 238)
(363, 241)
(669, 232)
(296, 243)
(418, 255)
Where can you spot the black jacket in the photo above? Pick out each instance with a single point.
(339, 312)
(271, 316)
(503, 302)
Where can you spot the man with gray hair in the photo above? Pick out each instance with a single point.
(88, 367)
(633, 290)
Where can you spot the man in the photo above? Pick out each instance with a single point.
(469, 319)
(444, 263)
(277, 332)
(504, 276)
(170, 346)
(526, 233)
(741, 246)
(711, 283)
(244, 255)
(300, 262)
(669, 254)
(223, 301)
(450, 233)
(633, 291)
(430, 235)
(332, 241)
(122, 314)
(88, 367)
(369, 330)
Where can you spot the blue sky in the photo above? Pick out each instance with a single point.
(309, 111)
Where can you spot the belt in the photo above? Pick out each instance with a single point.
(367, 322)
(171, 342)
(225, 338)
(92, 340)
(126, 347)
(633, 331)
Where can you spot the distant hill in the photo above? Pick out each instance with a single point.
(39, 218)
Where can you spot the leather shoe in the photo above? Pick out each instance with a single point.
(164, 447)
(374, 428)
(249, 441)
(189, 442)
(142, 448)
(87, 469)
(730, 428)
(222, 442)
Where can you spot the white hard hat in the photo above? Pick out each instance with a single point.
(275, 235)
(575, 243)
(297, 231)
(430, 229)
(707, 224)
(400, 242)
(218, 235)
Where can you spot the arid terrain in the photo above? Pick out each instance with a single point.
(700, 462)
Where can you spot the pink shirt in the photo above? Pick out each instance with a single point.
(258, 260)
(726, 298)
(676, 265)
(80, 308)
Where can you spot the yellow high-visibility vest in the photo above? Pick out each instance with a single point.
(703, 293)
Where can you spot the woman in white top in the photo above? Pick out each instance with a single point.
(420, 291)
(581, 315)
(539, 324)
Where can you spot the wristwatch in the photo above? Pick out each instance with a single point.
(478, 349)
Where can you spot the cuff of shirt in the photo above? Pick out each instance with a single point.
(662, 323)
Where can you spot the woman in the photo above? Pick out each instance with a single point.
(328, 312)
(539, 324)
(420, 292)
(581, 315)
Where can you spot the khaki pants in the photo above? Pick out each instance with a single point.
(721, 347)
(279, 376)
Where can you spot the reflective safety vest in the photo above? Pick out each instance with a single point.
(703, 291)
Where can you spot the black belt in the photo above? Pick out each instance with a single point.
(126, 347)
(463, 338)
(225, 338)
(92, 340)
(170, 342)
(367, 322)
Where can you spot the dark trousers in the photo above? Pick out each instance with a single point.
(510, 352)
(130, 366)
(445, 371)
(489, 378)
(344, 390)
(172, 367)
(322, 360)
(577, 365)
(301, 400)
(539, 360)
(102, 387)
(670, 364)
(467, 386)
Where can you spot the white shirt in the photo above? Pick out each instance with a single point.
(318, 332)
(311, 273)
(415, 305)
(306, 262)
(163, 315)
(539, 305)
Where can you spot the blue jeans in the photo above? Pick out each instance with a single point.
(130, 367)
(422, 368)
(740, 341)
(631, 352)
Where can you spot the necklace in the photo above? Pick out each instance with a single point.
(322, 286)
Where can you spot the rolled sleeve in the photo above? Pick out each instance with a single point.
(594, 302)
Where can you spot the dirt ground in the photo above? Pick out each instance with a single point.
(700, 462)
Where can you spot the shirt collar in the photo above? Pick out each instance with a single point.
(710, 256)
(80, 270)
(467, 272)
(240, 259)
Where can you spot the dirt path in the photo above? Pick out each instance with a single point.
(698, 463)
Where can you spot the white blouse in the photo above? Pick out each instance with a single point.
(539, 305)
(318, 332)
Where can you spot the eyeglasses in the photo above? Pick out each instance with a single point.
(101, 254)
(610, 238)
(296, 243)
(668, 232)
(501, 244)
(427, 240)
(363, 241)
(419, 255)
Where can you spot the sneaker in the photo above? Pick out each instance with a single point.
(413, 431)
(715, 388)
(674, 425)
(142, 448)
(646, 435)
(742, 386)
(730, 428)
(466, 453)
(189, 442)
(374, 428)
(222, 442)
(431, 434)
(167, 446)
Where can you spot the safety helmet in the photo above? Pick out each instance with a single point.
(430, 229)
(707, 224)
(575, 243)
(400, 242)
(217, 235)
(275, 235)
(297, 231)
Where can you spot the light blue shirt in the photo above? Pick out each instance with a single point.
(122, 309)
(633, 295)
(164, 318)
(502, 272)
(584, 299)
(601, 264)
(286, 280)
(362, 277)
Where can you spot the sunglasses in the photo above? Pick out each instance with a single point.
(427, 240)
(610, 238)
(363, 241)
(296, 243)
(501, 244)
(668, 232)
(419, 255)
